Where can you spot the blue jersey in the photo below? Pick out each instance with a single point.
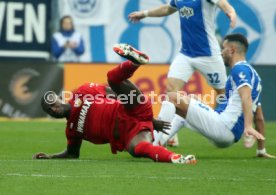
(242, 74)
(197, 20)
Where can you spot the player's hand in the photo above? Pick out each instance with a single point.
(136, 16)
(233, 18)
(266, 155)
(250, 131)
(249, 141)
(161, 126)
(41, 155)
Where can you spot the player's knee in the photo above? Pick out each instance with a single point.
(143, 136)
(131, 148)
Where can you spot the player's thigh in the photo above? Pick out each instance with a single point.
(128, 93)
(213, 69)
(208, 123)
(181, 68)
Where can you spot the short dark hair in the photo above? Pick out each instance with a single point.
(239, 38)
(46, 105)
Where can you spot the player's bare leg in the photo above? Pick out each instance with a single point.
(117, 77)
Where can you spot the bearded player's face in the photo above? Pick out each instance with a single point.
(226, 53)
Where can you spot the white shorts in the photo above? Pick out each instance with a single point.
(208, 123)
(211, 67)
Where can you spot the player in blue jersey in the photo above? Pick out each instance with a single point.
(225, 125)
(200, 49)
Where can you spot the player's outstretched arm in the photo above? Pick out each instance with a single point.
(260, 127)
(72, 151)
(63, 154)
(163, 10)
(245, 94)
(229, 11)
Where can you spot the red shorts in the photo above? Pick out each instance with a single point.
(130, 123)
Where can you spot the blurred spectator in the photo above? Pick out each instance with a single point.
(67, 44)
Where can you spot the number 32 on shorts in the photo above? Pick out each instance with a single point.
(213, 78)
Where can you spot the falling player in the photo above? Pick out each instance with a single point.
(126, 125)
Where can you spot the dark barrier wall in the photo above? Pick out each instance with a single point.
(268, 75)
(23, 84)
(25, 28)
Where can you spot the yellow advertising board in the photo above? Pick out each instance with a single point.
(147, 78)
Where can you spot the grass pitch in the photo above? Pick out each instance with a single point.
(235, 170)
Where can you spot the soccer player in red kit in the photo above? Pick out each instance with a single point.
(127, 125)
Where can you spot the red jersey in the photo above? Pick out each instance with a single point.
(92, 115)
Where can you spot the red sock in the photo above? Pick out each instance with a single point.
(122, 72)
(156, 153)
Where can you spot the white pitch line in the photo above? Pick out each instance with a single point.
(122, 160)
(131, 177)
(79, 160)
(96, 176)
(66, 160)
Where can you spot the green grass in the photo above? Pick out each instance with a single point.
(219, 171)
